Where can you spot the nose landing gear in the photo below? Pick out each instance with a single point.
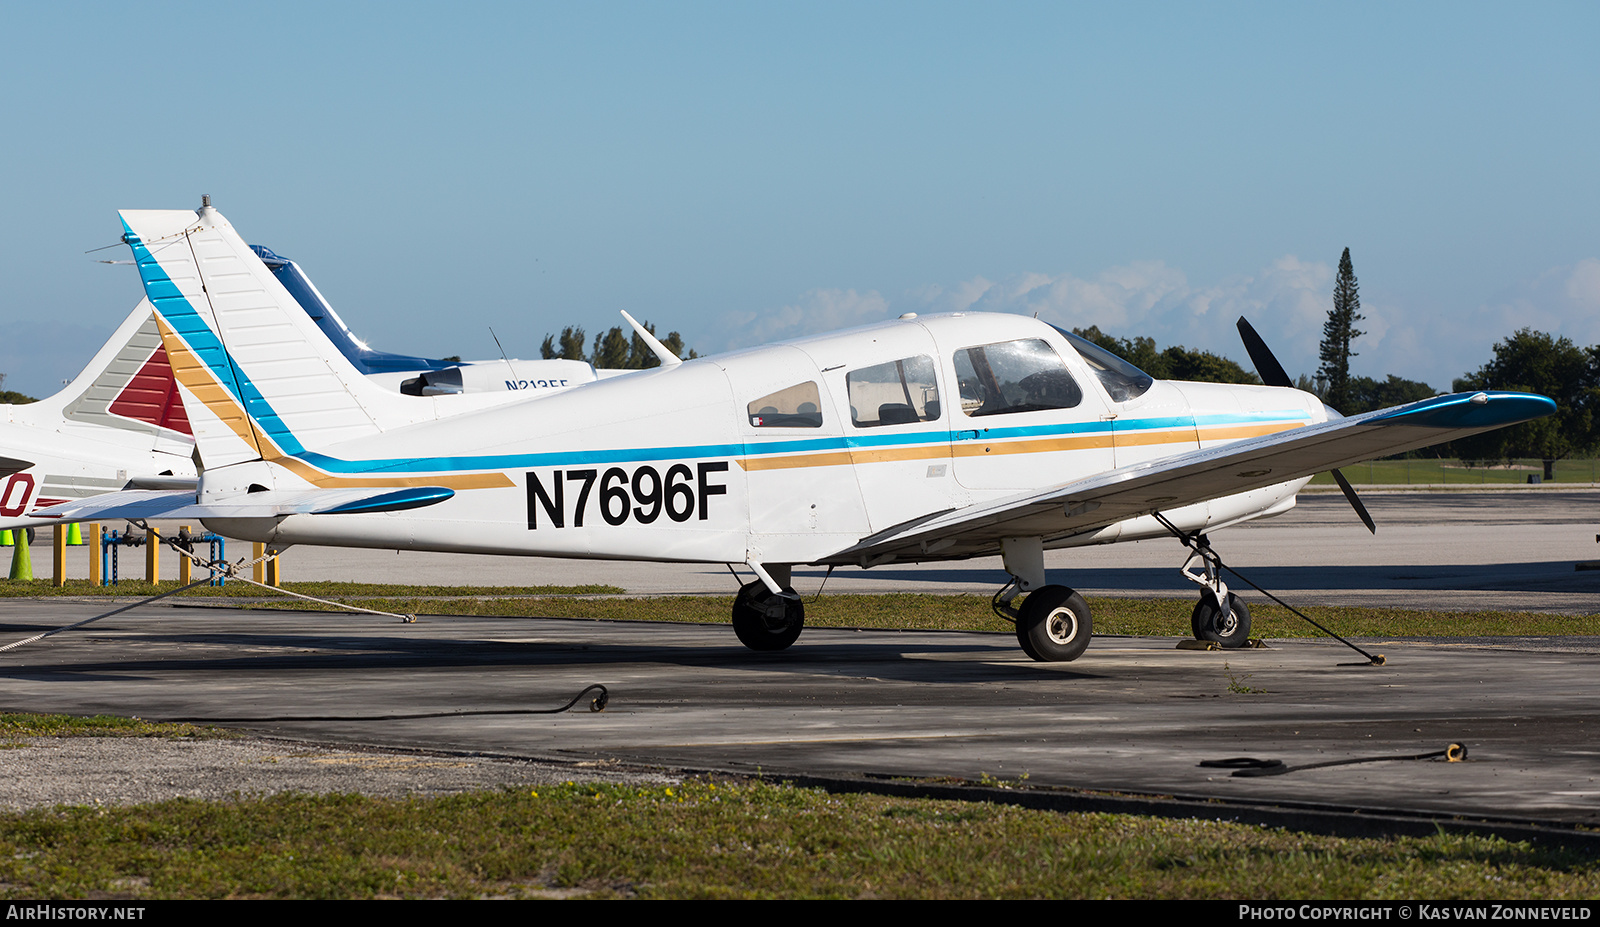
(1229, 627)
(1220, 616)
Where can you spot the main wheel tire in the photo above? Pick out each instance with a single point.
(1231, 633)
(759, 630)
(1053, 625)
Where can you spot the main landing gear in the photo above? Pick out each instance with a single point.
(1053, 624)
(1220, 616)
(765, 620)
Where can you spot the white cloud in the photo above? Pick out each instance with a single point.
(1287, 302)
(1564, 301)
(816, 312)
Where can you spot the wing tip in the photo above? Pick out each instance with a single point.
(1484, 409)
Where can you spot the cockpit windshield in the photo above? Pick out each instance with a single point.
(1120, 378)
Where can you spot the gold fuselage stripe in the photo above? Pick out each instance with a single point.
(969, 448)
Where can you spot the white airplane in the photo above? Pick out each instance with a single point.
(933, 438)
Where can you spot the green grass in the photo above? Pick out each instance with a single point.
(730, 839)
(1143, 617)
(14, 725)
(903, 611)
(1452, 472)
(134, 589)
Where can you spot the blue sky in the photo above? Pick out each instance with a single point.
(751, 171)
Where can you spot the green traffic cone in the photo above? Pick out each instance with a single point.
(21, 563)
(74, 535)
(5, 538)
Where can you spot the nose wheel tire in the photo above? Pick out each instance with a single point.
(1209, 625)
(1053, 625)
(764, 621)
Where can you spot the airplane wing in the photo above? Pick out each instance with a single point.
(1197, 476)
(140, 504)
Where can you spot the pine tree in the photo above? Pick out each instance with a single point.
(1337, 334)
(610, 350)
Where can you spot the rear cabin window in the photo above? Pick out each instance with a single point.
(1014, 376)
(798, 406)
(897, 393)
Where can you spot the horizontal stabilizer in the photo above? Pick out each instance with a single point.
(137, 504)
(10, 465)
(188, 483)
(1197, 476)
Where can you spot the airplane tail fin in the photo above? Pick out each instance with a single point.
(260, 380)
(127, 385)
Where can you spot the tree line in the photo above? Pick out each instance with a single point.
(1528, 361)
(612, 350)
(10, 397)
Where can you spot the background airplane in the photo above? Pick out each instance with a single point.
(423, 376)
(930, 438)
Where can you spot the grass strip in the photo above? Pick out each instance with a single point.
(730, 839)
(14, 725)
(134, 589)
(911, 611)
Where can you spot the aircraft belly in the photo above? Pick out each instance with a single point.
(796, 548)
(262, 530)
(413, 530)
(1201, 516)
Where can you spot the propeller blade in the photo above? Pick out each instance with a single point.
(1355, 500)
(1267, 366)
(1273, 374)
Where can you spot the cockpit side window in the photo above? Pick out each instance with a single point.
(896, 393)
(799, 406)
(1014, 376)
(1122, 380)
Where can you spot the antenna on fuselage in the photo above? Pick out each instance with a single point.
(668, 359)
(502, 352)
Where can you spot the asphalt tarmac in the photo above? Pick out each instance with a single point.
(1133, 715)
